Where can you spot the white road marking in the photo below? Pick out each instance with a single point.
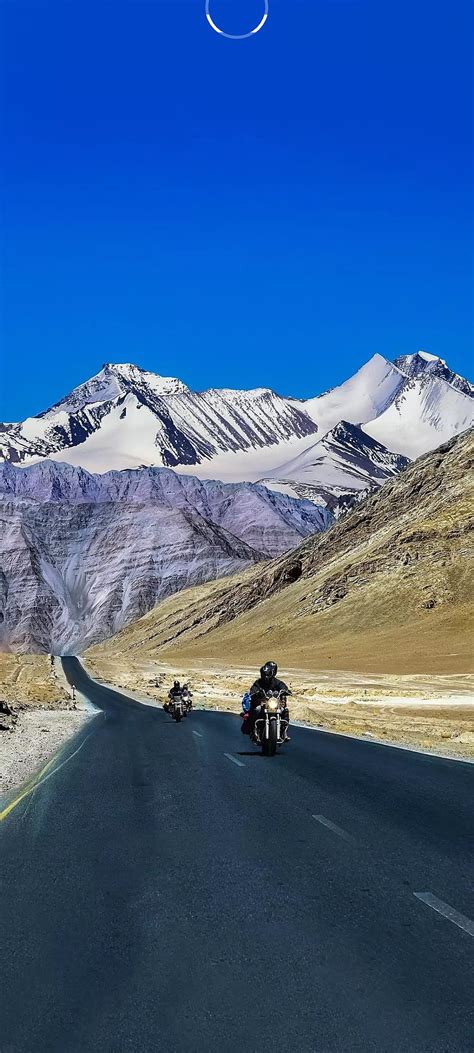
(198, 734)
(333, 826)
(448, 912)
(234, 760)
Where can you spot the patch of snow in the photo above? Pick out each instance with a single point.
(430, 358)
(38, 427)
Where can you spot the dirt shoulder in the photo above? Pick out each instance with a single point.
(32, 680)
(426, 712)
(39, 733)
(37, 715)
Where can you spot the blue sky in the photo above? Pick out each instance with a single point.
(272, 211)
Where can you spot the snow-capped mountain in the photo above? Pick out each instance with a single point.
(425, 413)
(126, 417)
(345, 463)
(361, 398)
(83, 555)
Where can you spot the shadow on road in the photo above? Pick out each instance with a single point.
(254, 753)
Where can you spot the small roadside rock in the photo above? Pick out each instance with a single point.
(8, 718)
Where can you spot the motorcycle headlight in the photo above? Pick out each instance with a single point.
(272, 703)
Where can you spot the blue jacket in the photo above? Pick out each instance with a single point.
(246, 702)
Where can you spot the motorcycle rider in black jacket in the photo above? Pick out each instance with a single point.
(172, 694)
(267, 681)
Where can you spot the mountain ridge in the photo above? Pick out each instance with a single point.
(126, 417)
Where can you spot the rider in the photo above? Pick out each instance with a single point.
(172, 693)
(188, 692)
(267, 681)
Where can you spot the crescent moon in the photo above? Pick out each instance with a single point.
(237, 36)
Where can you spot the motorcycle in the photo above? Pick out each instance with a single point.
(176, 709)
(271, 724)
(187, 701)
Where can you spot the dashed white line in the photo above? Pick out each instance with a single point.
(333, 826)
(448, 912)
(234, 760)
(198, 734)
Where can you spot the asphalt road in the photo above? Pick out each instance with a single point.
(163, 889)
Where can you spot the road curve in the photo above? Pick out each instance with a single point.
(163, 889)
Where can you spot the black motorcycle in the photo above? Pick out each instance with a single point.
(271, 723)
(176, 708)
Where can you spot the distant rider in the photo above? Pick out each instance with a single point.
(188, 692)
(173, 693)
(267, 681)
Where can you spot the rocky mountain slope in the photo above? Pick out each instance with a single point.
(345, 464)
(82, 555)
(422, 364)
(126, 417)
(388, 589)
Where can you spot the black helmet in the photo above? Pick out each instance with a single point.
(176, 684)
(268, 671)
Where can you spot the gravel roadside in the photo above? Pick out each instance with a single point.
(37, 734)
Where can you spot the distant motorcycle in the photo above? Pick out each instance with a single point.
(271, 723)
(175, 706)
(187, 698)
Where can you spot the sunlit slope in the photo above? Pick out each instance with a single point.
(387, 589)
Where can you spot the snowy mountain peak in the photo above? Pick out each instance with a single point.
(361, 398)
(425, 355)
(132, 376)
(418, 362)
(112, 381)
(422, 364)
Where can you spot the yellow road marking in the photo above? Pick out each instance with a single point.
(30, 786)
(40, 778)
(34, 779)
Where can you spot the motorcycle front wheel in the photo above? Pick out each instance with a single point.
(269, 745)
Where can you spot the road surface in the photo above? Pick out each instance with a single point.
(163, 889)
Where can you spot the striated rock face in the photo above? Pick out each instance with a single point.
(83, 555)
